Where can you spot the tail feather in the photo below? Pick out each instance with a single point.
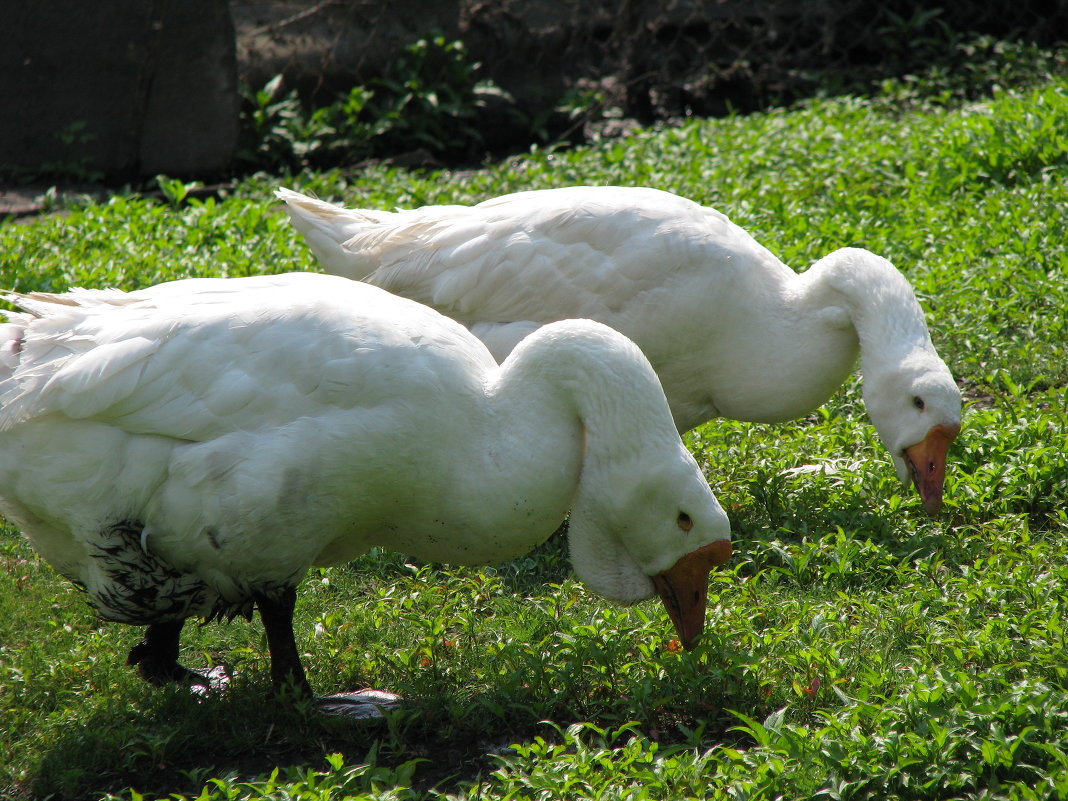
(327, 227)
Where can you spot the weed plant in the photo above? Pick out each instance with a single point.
(855, 648)
(428, 98)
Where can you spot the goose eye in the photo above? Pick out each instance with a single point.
(918, 403)
(684, 521)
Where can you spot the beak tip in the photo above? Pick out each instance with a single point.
(684, 587)
(927, 463)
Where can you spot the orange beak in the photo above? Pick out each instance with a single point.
(927, 464)
(684, 589)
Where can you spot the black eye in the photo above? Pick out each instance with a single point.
(685, 521)
(918, 402)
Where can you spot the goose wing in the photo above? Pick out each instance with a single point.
(534, 256)
(196, 359)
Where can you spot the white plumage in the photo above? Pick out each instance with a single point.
(193, 448)
(730, 330)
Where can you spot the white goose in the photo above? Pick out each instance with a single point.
(193, 448)
(730, 330)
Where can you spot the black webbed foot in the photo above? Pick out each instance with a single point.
(156, 659)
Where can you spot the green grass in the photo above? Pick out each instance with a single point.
(855, 648)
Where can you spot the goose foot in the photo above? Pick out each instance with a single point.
(360, 704)
(156, 659)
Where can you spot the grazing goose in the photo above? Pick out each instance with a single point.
(192, 449)
(730, 329)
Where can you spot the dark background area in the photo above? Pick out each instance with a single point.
(127, 89)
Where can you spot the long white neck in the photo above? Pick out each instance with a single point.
(575, 395)
(576, 405)
(878, 301)
(795, 337)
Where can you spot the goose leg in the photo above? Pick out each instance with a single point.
(287, 670)
(156, 658)
(277, 615)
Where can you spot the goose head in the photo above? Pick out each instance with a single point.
(916, 408)
(650, 525)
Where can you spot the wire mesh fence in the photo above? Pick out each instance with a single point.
(650, 57)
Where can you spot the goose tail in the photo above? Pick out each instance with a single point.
(326, 228)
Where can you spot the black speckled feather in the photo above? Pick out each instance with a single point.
(144, 589)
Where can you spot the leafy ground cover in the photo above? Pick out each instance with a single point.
(855, 648)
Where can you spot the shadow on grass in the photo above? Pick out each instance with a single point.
(162, 741)
(546, 564)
